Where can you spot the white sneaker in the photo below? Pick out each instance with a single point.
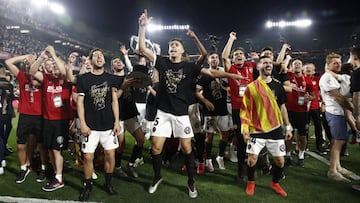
(138, 161)
(2, 171)
(220, 161)
(94, 176)
(208, 165)
(3, 163)
(233, 157)
(192, 191)
(154, 185)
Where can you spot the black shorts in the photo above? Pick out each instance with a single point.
(299, 120)
(56, 134)
(27, 125)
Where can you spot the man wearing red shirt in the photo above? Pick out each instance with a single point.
(30, 117)
(297, 105)
(57, 111)
(238, 65)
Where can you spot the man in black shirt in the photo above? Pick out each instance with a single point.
(98, 111)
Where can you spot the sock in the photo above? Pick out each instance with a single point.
(190, 165)
(208, 148)
(88, 183)
(251, 173)
(23, 167)
(59, 177)
(108, 177)
(135, 153)
(222, 146)
(301, 154)
(277, 173)
(118, 157)
(200, 143)
(156, 160)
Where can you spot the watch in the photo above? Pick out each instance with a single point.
(289, 128)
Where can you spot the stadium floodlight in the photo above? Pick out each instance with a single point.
(24, 31)
(57, 8)
(282, 23)
(154, 27)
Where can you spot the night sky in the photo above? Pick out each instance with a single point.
(334, 22)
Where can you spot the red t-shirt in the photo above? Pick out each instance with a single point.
(56, 98)
(315, 86)
(237, 88)
(300, 86)
(30, 99)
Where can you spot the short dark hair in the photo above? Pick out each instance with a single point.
(355, 51)
(262, 57)
(178, 40)
(267, 49)
(237, 49)
(92, 51)
(212, 52)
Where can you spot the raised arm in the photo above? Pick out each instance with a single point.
(281, 56)
(60, 64)
(34, 68)
(200, 46)
(125, 52)
(143, 21)
(10, 63)
(226, 52)
(69, 68)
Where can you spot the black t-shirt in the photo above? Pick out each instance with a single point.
(355, 81)
(140, 94)
(151, 108)
(96, 90)
(279, 92)
(6, 97)
(214, 90)
(127, 102)
(176, 84)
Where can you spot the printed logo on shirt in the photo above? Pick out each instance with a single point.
(98, 94)
(172, 79)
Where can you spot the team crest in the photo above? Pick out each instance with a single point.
(154, 129)
(282, 148)
(187, 130)
(249, 146)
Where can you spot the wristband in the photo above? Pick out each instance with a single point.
(289, 128)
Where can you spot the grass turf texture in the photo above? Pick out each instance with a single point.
(308, 184)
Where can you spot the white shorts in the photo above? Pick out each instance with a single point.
(195, 119)
(106, 138)
(131, 124)
(166, 124)
(230, 120)
(275, 147)
(141, 107)
(214, 123)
